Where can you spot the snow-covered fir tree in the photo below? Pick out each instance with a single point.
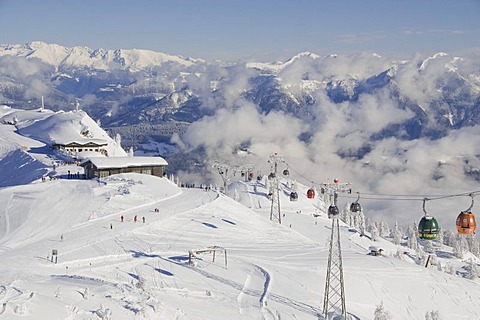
(118, 139)
(448, 237)
(396, 234)
(381, 313)
(472, 270)
(460, 246)
(412, 238)
(428, 246)
(374, 232)
(473, 245)
(383, 229)
(433, 315)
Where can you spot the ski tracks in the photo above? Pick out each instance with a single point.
(252, 299)
(15, 298)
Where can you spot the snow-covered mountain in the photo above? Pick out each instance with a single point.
(85, 58)
(350, 105)
(72, 249)
(443, 91)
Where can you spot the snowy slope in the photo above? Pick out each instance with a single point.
(107, 268)
(139, 270)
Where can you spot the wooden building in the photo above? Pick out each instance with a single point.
(100, 167)
(74, 147)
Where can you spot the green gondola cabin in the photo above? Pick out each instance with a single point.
(428, 228)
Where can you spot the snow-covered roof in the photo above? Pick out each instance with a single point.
(124, 162)
(89, 154)
(82, 142)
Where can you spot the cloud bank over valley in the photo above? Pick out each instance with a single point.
(387, 126)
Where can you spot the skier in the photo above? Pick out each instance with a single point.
(135, 218)
(143, 218)
(61, 237)
(111, 226)
(121, 218)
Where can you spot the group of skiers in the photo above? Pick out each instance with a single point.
(134, 218)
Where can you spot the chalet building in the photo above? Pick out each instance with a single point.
(74, 147)
(100, 167)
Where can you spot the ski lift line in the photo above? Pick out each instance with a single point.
(410, 198)
(395, 197)
(429, 197)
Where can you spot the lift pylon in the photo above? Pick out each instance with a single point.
(226, 172)
(275, 188)
(334, 299)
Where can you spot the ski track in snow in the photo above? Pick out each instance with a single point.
(258, 291)
(252, 296)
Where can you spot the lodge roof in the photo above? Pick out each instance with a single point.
(90, 142)
(124, 162)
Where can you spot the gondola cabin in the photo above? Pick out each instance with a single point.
(311, 193)
(466, 223)
(355, 207)
(428, 228)
(333, 211)
(293, 196)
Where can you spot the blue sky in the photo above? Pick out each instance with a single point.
(262, 29)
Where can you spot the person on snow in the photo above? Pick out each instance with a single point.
(121, 218)
(143, 218)
(135, 218)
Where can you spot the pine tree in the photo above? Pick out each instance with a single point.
(396, 235)
(381, 313)
(449, 268)
(460, 246)
(440, 237)
(448, 238)
(412, 238)
(118, 140)
(472, 273)
(428, 246)
(361, 223)
(383, 228)
(439, 266)
(473, 245)
(433, 315)
(374, 232)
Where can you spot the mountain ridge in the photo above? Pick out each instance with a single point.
(427, 96)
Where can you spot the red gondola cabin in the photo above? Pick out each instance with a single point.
(310, 193)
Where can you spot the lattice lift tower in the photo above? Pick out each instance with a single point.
(274, 187)
(334, 299)
(226, 172)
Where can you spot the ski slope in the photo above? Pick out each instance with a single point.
(140, 270)
(109, 269)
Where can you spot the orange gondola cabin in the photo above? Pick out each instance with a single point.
(466, 223)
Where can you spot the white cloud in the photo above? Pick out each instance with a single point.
(392, 166)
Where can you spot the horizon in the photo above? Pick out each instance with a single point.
(265, 31)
